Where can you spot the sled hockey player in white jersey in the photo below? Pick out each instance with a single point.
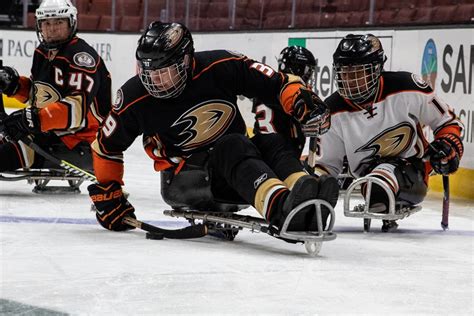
(377, 120)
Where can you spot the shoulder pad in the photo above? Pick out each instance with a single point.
(402, 81)
(80, 54)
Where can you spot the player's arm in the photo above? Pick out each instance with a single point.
(255, 79)
(13, 85)
(81, 83)
(116, 134)
(447, 149)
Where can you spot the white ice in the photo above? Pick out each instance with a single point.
(84, 269)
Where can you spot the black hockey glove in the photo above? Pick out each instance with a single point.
(111, 205)
(312, 113)
(21, 123)
(9, 80)
(445, 153)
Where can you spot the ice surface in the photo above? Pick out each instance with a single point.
(55, 257)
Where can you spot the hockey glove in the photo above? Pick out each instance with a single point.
(21, 123)
(445, 153)
(111, 206)
(318, 123)
(156, 151)
(9, 81)
(307, 103)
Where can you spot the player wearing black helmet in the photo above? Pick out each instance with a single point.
(377, 118)
(279, 137)
(270, 119)
(68, 92)
(185, 105)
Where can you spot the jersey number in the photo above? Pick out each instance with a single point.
(264, 118)
(75, 80)
(264, 69)
(109, 126)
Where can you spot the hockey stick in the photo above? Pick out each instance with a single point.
(445, 209)
(313, 145)
(194, 231)
(445, 216)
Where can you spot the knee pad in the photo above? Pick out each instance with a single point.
(405, 178)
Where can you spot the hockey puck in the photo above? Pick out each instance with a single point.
(155, 236)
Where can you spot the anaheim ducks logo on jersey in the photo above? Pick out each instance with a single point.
(391, 142)
(45, 94)
(204, 123)
(173, 35)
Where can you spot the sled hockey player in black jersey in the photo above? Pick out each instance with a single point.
(185, 105)
(376, 121)
(278, 135)
(67, 94)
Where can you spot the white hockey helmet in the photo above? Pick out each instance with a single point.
(56, 9)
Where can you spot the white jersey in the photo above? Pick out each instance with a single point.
(392, 127)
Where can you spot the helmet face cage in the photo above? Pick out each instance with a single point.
(358, 64)
(165, 82)
(357, 83)
(298, 61)
(56, 9)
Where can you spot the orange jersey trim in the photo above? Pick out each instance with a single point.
(450, 129)
(53, 116)
(107, 170)
(131, 103)
(215, 63)
(289, 95)
(23, 93)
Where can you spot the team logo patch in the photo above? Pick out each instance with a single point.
(391, 142)
(174, 35)
(204, 123)
(45, 94)
(84, 59)
(419, 81)
(117, 105)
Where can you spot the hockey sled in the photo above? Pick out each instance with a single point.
(41, 178)
(190, 197)
(49, 171)
(396, 210)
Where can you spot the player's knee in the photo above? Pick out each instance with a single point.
(234, 147)
(412, 187)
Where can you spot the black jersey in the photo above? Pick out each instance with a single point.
(72, 87)
(191, 122)
(271, 119)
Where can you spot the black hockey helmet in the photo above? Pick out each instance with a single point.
(297, 60)
(164, 56)
(358, 62)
